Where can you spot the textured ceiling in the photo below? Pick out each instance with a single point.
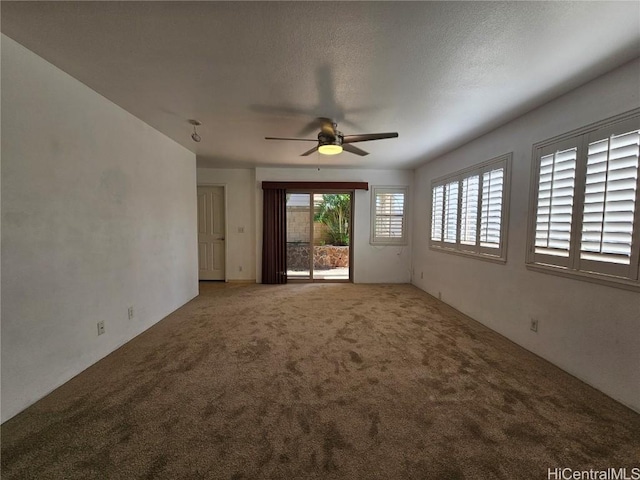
(439, 73)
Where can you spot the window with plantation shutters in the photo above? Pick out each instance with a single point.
(469, 210)
(388, 221)
(586, 203)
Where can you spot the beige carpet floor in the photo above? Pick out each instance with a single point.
(318, 381)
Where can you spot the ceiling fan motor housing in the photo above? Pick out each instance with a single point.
(324, 139)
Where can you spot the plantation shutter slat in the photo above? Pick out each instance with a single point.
(609, 203)
(555, 202)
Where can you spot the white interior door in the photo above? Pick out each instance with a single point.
(211, 227)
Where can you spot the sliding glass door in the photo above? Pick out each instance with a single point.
(319, 226)
(298, 236)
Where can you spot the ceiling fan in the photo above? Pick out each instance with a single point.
(331, 141)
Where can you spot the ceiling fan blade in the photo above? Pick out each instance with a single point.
(309, 152)
(365, 137)
(350, 124)
(354, 149)
(319, 123)
(281, 110)
(311, 127)
(296, 139)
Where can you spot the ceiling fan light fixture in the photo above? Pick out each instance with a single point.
(194, 136)
(330, 149)
(330, 144)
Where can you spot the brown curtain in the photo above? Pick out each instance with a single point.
(274, 236)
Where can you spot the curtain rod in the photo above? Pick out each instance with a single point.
(315, 185)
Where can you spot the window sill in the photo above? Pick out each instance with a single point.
(479, 256)
(601, 279)
(388, 244)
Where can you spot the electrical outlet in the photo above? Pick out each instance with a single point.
(240, 229)
(130, 313)
(101, 327)
(421, 275)
(534, 325)
(240, 268)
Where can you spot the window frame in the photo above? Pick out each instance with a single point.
(605, 273)
(388, 241)
(498, 255)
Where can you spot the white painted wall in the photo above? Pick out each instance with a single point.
(240, 208)
(591, 331)
(98, 214)
(372, 264)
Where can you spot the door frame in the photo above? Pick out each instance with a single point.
(226, 225)
(311, 193)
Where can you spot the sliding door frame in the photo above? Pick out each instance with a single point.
(327, 191)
